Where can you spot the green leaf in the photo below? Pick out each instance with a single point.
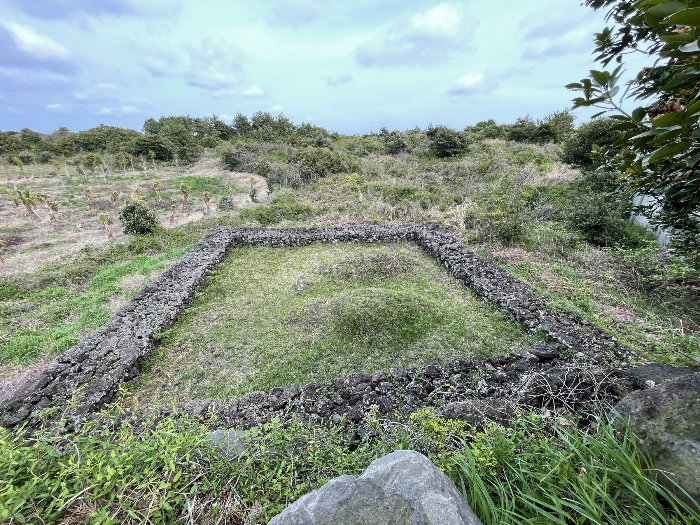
(600, 77)
(638, 114)
(686, 17)
(666, 120)
(677, 38)
(657, 13)
(574, 85)
(693, 108)
(668, 151)
(598, 114)
(664, 137)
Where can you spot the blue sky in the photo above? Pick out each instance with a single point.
(351, 67)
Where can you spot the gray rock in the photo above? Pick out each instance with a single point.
(229, 442)
(658, 372)
(403, 488)
(666, 420)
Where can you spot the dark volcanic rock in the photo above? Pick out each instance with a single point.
(666, 419)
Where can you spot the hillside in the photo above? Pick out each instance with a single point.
(522, 197)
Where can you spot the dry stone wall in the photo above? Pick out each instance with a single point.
(82, 380)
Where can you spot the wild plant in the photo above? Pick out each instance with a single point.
(106, 222)
(253, 191)
(157, 188)
(206, 203)
(172, 211)
(185, 191)
(88, 195)
(114, 197)
(52, 206)
(136, 194)
(27, 199)
(2, 244)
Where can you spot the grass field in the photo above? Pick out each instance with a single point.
(363, 308)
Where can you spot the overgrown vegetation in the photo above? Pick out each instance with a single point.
(537, 470)
(526, 194)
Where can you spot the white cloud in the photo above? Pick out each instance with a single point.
(105, 111)
(32, 43)
(425, 38)
(126, 108)
(472, 84)
(54, 107)
(98, 91)
(276, 109)
(442, 18)
(253, 92)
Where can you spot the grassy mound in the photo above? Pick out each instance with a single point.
(363, 308)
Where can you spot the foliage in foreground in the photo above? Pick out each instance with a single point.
(537, 471)
(658, 151)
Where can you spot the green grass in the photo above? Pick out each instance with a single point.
(47, 320)
(537, 471)
(375, 307)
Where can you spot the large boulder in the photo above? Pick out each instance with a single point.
(666, 420)
(402, 488)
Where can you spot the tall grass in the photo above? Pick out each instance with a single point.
(580, 477)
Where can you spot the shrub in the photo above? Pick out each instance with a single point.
(446, 142)
(137, 219)
(602, 221)
(230, 160)
(284, 207)
(316, 162)
(578, 146)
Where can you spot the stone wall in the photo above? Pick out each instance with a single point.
(86, 377)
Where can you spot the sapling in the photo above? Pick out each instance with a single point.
(56, 164)
(2, 243)
(229, 189)
(152, 156)
(185, 192)
(114, 197)
(172, 211)
(136, 194)
(157, 188)
(106, 222)
(206, 203)
(253, 191)
(52, 206)
(88, 195)
(27, 199)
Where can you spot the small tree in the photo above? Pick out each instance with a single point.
(185, 191)
(658, 153)
(88, 195)
(106, 222)
(114, 197)
(27, 199)
(206, 203)
(157, 187)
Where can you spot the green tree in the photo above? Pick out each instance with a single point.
(659, 150)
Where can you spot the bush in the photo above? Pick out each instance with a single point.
(578, 146)
(284, 207)
(316, 162)
(137, 219)
(446, 142)
(230, 160)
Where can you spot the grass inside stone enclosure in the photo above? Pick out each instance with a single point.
(363, 308)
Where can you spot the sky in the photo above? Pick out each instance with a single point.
(349, 66)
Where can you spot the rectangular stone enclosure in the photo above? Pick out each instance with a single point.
(82, 380)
